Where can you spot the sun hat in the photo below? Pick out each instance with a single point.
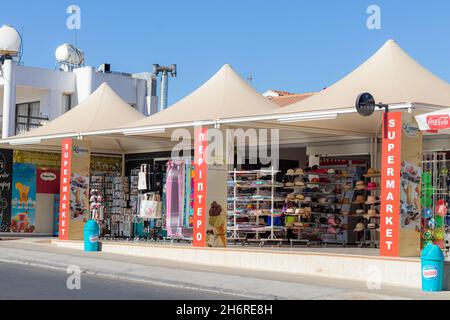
(291, 196)
(331, 171)
(300, 197)
(307, 200)
(372, 200)
(345, 201)
(299, 184)
(290, 210)
(289, 184)
(299, 171)
(372, 186)
(360, 212)
(360, 185)
(298, 224)
(372, 213)
(359, 227)
(372, 173)
(324, 180)
(315, 180)
(347, 187)
(439, 234)
(372, 226)
(323, 200)
(290, 172)
(359, 199)
(300, 211)
(344, 174)
(308, 209)
(345, 213)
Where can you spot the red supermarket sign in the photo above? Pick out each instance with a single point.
(64, 202)
(390, 188)
(438, 122)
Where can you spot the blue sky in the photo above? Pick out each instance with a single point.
(292, 45)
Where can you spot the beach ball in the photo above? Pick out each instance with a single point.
(431, 223)
(441, 211)
(439, 221)
(427, 213)
(427, 234)
(439, 234)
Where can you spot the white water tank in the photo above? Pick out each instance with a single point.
(10, 41)
(67, 53)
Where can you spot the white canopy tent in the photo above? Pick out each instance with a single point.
(390, 75)
(100, 112)
(225, 96)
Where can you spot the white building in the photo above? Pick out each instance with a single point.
(43, 94)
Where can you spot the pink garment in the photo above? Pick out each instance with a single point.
(175, 198)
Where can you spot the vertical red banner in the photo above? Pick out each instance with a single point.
(64, 204)
(201, 170)
(390, 185)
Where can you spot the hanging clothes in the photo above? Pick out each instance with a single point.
(175, 198)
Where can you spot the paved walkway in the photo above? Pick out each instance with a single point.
(251, 284)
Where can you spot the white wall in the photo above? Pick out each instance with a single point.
(48, 86)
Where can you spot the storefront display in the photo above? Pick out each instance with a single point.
(23, 218)
(6, 174)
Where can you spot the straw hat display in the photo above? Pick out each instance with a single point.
(300, 197)
(372, 173)
(359, 199)
(371, 200)
(348, 187)
(345, 201)
(371, 214)
(289, 184)
(299, 184)
(290, 172)
(360, 212)
(291, 196)
(360, 185)
(299, 171)
(359, 227)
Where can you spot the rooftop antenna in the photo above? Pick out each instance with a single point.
(157, 69)
(250, 78)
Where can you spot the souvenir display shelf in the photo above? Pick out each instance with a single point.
(371, 236)
(252, 196)
(328, 190)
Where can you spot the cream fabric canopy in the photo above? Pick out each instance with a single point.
(390, 75)
(226, 95)
(101, 111)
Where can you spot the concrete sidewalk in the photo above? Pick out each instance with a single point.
(251, 284)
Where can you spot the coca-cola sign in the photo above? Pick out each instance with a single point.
(438, 121)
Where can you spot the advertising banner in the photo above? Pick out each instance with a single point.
(200, 172)
(74, 195)
(23, 219)
(48, 181)
(6, 173)
(390, 188)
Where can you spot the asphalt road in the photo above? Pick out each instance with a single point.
(30, 283)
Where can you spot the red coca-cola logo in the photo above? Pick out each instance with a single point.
(438, 122)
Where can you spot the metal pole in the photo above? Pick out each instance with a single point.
(164, 90)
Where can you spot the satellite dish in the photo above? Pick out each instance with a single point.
(365, 104)
(10, 42)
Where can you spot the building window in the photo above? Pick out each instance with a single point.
(28, 116)
(66, 102)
